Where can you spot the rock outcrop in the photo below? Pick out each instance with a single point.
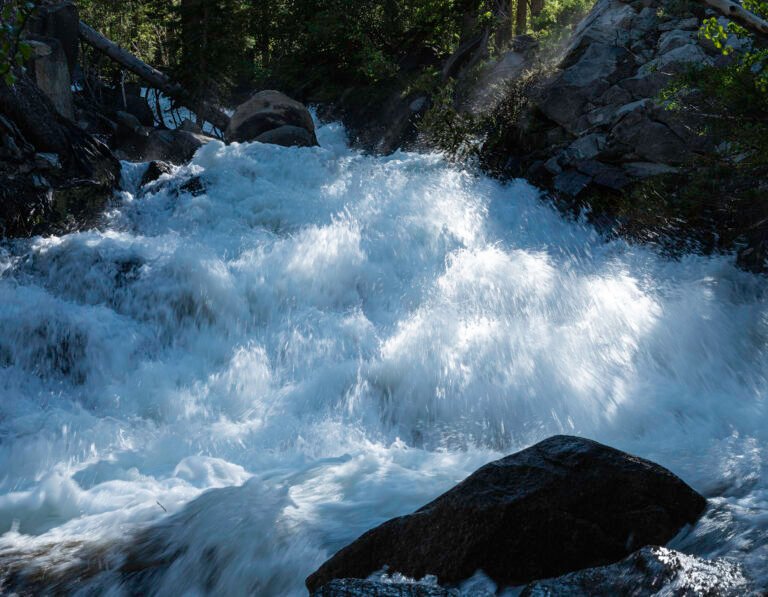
(272, 117)
(53, 176)
(598, 122)
(562, 505)
(597, 133)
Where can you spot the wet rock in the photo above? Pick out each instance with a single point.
(266, 111)
(562, 505)
(154, 171)
(194, 186)
(571, 182)
(650, 571)
(47, 161)
(288, 136)
(174, 146)
(352, 587)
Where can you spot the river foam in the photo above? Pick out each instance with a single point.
(227, 387)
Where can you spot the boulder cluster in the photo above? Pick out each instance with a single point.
(598, 122)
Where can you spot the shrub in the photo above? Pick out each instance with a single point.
(14, 15)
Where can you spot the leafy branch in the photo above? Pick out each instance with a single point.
(14, 51)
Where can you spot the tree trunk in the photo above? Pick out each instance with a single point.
(152, 76)
(521, 17)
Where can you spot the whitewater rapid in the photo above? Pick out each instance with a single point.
(243, 381)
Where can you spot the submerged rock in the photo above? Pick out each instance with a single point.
(154, 171)
(650, 571)
(288, 136)
(267, 111)
(354, 587)
(562, 505)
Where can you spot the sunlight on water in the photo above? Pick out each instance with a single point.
(218, 391)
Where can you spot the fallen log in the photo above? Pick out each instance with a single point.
(151, 75)
(735, 10)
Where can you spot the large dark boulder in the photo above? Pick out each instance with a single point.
(564, 504)
(125, 98)
(133, 141)
(137, 106)
(175, 146)
(154, 171)
(650, 571)
(267, 111)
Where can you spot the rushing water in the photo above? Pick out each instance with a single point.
(235, 384)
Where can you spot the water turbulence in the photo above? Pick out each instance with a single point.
(216, 390)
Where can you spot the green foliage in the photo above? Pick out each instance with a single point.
(305, 47)
(558, 18)
(461, 134)
(342, 43)
(14, 52)
(714, 31)
(750, 61)
(449, 129)
(734, 97)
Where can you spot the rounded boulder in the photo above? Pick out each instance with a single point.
(268, 111)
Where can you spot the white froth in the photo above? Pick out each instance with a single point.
(323, 340)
